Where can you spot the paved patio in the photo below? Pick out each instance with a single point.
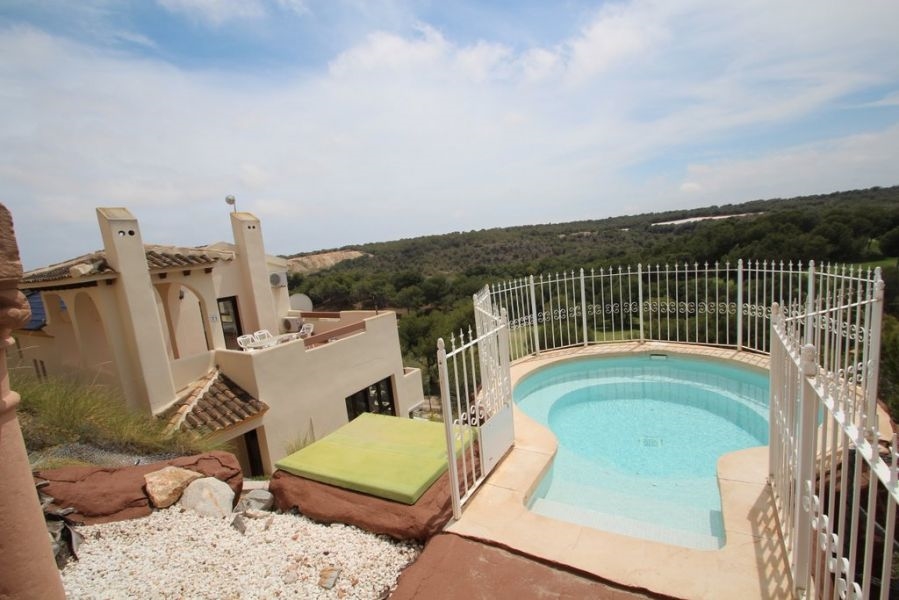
(453, 567)
(752, 563)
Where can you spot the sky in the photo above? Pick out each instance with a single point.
(348, 121)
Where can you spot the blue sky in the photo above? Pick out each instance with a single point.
(340, 122)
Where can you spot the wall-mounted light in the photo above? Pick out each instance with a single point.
(232, 202)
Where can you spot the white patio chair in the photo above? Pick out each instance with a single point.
(265, 338)
(245, 341)
(306, 330)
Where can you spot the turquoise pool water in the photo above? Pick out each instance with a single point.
(639, 439)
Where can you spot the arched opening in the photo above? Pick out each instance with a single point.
(96, 355)
(59, 326)
(182, 310)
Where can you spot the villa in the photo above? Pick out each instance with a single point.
(804, 507)
(174, 330)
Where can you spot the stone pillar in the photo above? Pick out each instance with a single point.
(27, 566)
(147, 379)
(257, 311)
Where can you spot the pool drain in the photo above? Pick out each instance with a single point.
(651, 442)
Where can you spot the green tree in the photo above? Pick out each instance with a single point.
(406, 278)
(435, 290)
(410, 298)
(889, 242)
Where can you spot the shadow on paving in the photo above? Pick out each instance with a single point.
(456, 567)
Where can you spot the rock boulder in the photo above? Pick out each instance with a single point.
(256, 500)
(165, 486)
(102, 495)
(209, 497)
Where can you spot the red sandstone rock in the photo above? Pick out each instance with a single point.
(101, 495)
(329, 504)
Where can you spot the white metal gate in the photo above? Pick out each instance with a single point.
(476, 397)
(834, 479)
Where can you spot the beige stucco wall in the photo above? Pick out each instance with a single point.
(228, 281)
(59, 327)
(409, 387)
(135, 331)
(31, 346)
(151, 388)
(306, 388)
(80, 340)
(184, 319)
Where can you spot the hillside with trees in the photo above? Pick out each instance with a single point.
(429, 280)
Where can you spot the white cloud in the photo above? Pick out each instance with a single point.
(404, 134)
(253, 176)
(384, 51)
(296, 6)
(539, 64)
(617, 34)
(855, 161)
(132, 37)
(216, 12)
(483, 61)
(891, 99)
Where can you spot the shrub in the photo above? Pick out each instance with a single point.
(889, 366)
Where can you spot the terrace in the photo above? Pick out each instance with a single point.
(795, 524)
(817, 330)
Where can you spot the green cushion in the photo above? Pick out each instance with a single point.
(388, 457)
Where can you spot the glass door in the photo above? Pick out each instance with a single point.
(230, 321)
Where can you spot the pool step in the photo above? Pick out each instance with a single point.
(691, 503)
(674, 511)
(624, 525)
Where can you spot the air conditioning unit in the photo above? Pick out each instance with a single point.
(291, 324)
(278, 279)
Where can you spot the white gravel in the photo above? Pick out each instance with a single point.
(179, 554)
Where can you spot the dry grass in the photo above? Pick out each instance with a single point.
(65, 411)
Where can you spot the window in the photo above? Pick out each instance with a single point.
(40, 369)
(376, 398)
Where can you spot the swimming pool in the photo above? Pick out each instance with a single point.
(639, 439)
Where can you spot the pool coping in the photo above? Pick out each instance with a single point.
(751, 564)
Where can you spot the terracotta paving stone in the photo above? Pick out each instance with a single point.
(454, 567)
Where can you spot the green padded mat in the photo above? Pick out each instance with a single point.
(388, 457)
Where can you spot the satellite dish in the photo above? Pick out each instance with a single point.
(300, 302)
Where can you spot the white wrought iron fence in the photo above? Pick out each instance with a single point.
(834, 480)
(833, 476)
(719, 304)
(476, 398)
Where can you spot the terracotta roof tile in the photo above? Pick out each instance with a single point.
(177, 258)
(215, 403)
(158, 258)
(95, 264)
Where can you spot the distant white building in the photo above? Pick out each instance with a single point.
(162, 325)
